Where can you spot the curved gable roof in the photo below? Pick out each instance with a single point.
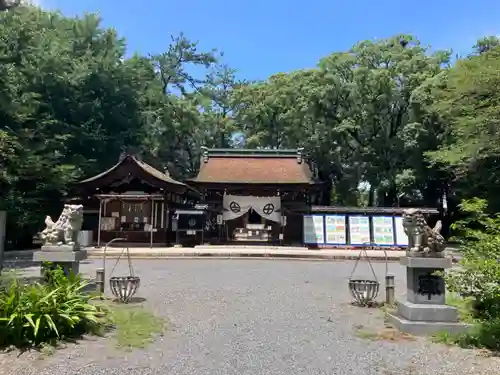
(142, 166)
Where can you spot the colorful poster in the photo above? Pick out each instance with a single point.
(314, 229)
(335, 230)
(383, 230)
(359, 230)
(401, 237)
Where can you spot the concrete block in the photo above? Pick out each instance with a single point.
(58, 248)
(421, 328)
(426, 262)
(59, 256)
(427, 313)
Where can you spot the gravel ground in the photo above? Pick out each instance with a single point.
(254, 317)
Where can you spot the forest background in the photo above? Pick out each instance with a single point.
(387, 122)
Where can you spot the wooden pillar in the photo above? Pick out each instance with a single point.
(157, 206)
(104, 210)
(162, 220)
(99, 224)
(151, 225)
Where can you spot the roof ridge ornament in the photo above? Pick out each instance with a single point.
(204, 154)
(299, 155)
(122, 156)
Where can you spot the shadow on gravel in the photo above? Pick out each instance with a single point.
(19, 263)
(371, 305)
(132, 301)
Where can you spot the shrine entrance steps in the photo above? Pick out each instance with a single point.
(250, 246)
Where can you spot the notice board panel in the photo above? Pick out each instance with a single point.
(359, 230)
(401, 237)
(314, 229)
(383, 230)
(335, 230)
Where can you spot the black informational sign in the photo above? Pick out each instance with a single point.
(190, 220)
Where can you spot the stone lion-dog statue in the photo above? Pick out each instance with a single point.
(422, 239)
(66, 229)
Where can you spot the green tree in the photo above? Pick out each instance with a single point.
(216, 107)
(176, 129)
(376, 81)
(68, 104)
(354, 116)
(467, 100)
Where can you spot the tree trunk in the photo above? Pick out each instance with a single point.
(371, 196)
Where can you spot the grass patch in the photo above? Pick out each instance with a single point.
(387, 333)
(365, 334)
(134, 326)
(463, 305)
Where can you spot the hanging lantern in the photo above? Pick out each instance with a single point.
(364, 291)
(124, 287)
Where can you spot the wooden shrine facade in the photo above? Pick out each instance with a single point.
(255, 195)
(133, 200)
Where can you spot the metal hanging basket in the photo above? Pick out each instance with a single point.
(364, 291)
(124, 287)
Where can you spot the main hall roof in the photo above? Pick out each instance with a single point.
(243, 166)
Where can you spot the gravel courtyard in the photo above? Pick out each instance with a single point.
(254, 317)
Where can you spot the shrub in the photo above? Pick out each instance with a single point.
(38, 313)
(479, 273)
(478, 277)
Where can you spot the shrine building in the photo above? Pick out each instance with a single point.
(256, 195)
(134, 201)
(239, 196)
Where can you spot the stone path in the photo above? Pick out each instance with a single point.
(254, 317)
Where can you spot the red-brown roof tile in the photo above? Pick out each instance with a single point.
(144, 166)
(263, 170)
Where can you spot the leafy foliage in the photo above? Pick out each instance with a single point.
(70, 103)
(476, 280)
(467, 100)
(31, 314)
(480, 264)
(353, 116)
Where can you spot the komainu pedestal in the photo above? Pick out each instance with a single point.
(425, 310)
(60, 256)
(60, 238)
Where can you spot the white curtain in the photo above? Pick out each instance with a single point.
(238, 205)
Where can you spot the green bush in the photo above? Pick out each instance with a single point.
(31, 314)
(478, 277)
(479, 273)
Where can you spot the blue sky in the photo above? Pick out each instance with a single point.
(263, 37)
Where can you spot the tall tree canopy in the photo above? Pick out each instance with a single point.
(70, 103)
(353, 113)
(467, 99)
